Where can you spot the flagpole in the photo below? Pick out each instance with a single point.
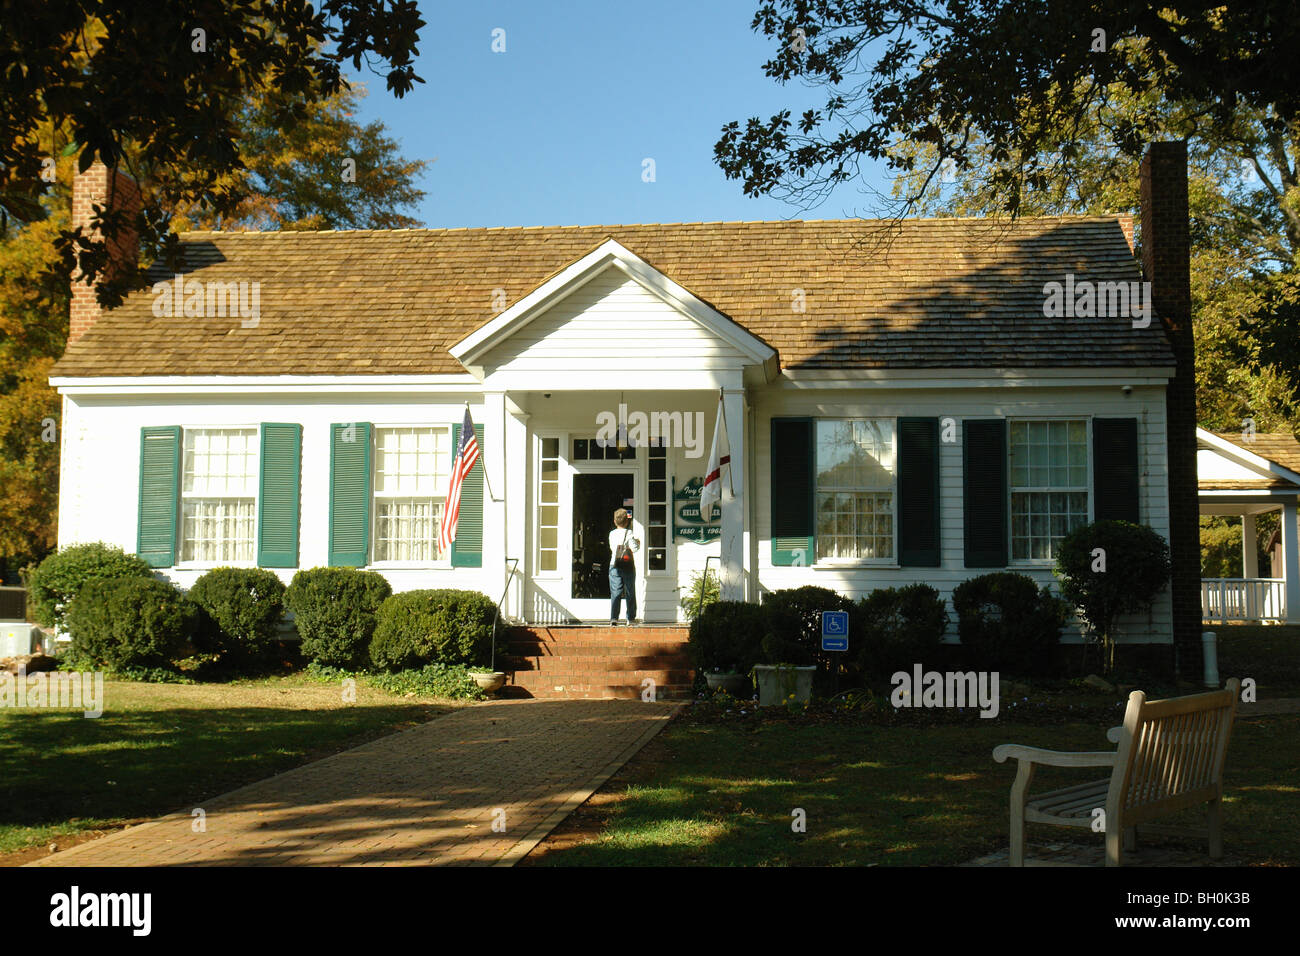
(482, 454)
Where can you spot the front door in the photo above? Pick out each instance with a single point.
(595, 499)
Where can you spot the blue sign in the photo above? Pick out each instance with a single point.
(835, 630)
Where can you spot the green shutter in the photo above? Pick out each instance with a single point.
(792, 492)
(277, 507)
(350, 492)
(1115, 479)
(918, 492)
(160, 492)
(984, 500)
(467, 549)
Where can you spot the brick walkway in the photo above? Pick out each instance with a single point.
(425, 796)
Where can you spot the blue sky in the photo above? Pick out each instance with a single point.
(554, 130)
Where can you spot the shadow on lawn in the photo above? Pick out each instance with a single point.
(57, 766)
(414, 795)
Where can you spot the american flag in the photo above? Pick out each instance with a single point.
(466, 455)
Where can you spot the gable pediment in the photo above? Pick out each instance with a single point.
(608, 316)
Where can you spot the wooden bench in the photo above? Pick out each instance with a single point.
(1170, 757)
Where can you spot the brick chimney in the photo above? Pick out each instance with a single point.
(1126, 226)
(1166, 254)
(116, 190)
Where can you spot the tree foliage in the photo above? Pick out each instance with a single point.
(173, 79)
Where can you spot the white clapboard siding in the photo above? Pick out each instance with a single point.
(1146, 404)
(611, 322)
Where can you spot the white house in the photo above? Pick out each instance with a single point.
(915, 401)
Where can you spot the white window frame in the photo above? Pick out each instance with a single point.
(376, 496)
(182, 496)
(1012, 490)
(670, 549)
(563, 550)
(890, 562)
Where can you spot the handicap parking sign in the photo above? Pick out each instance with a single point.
(835, 630)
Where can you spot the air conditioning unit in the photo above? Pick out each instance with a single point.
(17, 638)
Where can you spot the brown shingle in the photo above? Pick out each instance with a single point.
(933, 293)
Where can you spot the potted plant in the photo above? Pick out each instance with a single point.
(786, 675)
(724, 644)
(488, 680)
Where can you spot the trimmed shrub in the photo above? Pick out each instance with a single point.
(895, 628)
(130, 622)
(728, 636)
(335, 611)
(794, 622)
(1008, 623)
(433, 627)
(1133, 566)
(56, 581)
(242, 610)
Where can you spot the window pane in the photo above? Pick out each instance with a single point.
(550, 448)
(580, 449)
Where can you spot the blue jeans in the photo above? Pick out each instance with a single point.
(622, 584)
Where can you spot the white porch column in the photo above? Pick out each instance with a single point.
(517, 508)
(733, 506)
(494, 492)
(1249, 548)
(1291, 561)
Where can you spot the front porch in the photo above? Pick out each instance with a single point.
(1244, 476)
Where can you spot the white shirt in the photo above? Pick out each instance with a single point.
(616, 539)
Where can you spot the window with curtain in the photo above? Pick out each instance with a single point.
(855, 488)
(1048, 480)
(412, 471)
(219, 495)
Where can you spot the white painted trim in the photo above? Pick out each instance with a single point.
(460, 383)
(609, 254)
(1235, 452)
(971, 377)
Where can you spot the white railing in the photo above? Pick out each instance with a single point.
(1243, 599)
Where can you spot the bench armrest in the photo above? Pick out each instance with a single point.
(1054, 758)
(1115, 733)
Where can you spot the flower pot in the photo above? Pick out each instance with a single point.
(489, 681)
(734, 684)
(777, 682)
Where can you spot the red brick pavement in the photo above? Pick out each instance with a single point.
(425, 796)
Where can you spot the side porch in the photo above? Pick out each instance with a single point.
(1245, 476)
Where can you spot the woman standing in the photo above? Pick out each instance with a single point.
(622, 567)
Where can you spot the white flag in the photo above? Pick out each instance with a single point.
(719, 464)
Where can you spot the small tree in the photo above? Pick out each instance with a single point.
(1109, 568)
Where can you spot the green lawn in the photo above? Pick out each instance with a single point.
(161, 747)
(892, 795)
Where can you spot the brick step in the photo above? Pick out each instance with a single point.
(576, 690)
(672, 635)
(571, 662)
(597, 650)
(595, 675)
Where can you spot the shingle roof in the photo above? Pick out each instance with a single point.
(930, 293)
(1280, 447)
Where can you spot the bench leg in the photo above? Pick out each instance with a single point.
(1214, 820)
(1019, 793)
(1113, 839)
(1130, 839)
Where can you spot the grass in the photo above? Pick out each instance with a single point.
(724, 795)
(161, 747)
